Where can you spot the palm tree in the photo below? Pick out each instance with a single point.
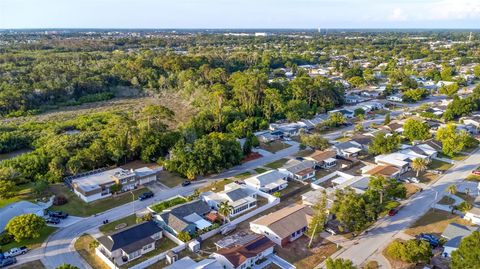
(452, 189)
(420, 164)
(225, 209)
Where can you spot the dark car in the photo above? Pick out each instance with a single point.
(52, 220)
(57, 214)
(186, 183)
(145, 195)
(430, 238)
(393, 212)
(7, 261)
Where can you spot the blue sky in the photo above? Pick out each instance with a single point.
(239, 14)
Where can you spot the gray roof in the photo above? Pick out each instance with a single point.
(361, 184)
(454, 229)
(454, 242)
(132, 238)
(295, 166)
(237, 194)
(270, 176)
(174, 217)
(346, 145)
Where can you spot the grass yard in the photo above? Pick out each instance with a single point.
(168, 203)
(473, 177)
(37, 264)
(457, 157)
(274, 146)
(216, 186)
(434, 221)
(439, 165)
(110, 227)
(161, 246)
(170, 179)
(277, 164)
(243, 175)
(304, 153)
(78, 207)
(23, 192)
(342, 139)
(303, 257)
(82, 246)
(260, 170)
(31, 243)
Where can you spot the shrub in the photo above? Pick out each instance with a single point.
(184, 236)
(60, 200)
(5, 238)
(413, 251)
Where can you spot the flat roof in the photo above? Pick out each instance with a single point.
(93, 181)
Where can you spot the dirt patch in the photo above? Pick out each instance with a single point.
(252, 156)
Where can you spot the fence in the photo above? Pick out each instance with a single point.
(104, 258)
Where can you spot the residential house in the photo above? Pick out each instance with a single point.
(245, 255)
(285, 225)
(132, 242)
(454, 233)
(395, 98)
(312, 197)
(324, 159)
(299, 170)
(352, 99)
(94, 185)
(348, 149)
(396, 159)
(12, 210)
(387, 171)
(189, 263)
(188, 217)
(269, 136)
(395, 126)
(239, 197)
(422, 151)
(349, 114)
(473, 215)
(269, 182)
(362, 140)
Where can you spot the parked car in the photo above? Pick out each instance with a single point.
(430, 238)
(52, 220)
(15, 252)
(145, 195)
(57, 214)
(186, 183)
(393, 212)
(476, 172)
(330, 231)
(7, 261)
(240, 182)
(414, 180)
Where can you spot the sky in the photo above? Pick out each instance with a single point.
(239, 14)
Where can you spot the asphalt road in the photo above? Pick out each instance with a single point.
(387, 228)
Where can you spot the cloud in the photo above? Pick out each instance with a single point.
(454, 10)
(398, 15)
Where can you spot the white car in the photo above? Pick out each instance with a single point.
(414, 180)
(16, 251)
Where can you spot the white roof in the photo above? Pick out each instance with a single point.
(396, 159)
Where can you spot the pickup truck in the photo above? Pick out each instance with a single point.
(57, 214)
(15, 252)
(7, 261)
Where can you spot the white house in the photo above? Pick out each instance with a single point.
(239, 197)
(269, 182)
(348, 149)
(395, 98)
(473, 215)
(285, 225)
(324, 159)
(396, 159)
(299, 170)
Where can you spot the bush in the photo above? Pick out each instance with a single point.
(413, 251)
(184, 236)
(167, 204)
(5, 238)
(60, 200)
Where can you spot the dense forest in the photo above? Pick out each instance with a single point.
(237, 85)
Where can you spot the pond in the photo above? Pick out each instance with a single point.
(10, 155)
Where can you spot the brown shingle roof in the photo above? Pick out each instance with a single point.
(384, 170)
(239, 254)
(321, 156)
(287, 220)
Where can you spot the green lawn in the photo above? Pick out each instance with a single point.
(23, 192)
(473, 177)
(170, 179)
(110, 227)
(260, 170)
(243, 175)
(78, 207)
(274, 146)
(216, 186)
(168, 203)
(83, 247)
(439, 165)
(31, 243)
(342, 139)
(277, 164)
(457, 157)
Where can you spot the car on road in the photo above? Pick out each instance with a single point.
(15, 252)
(145, 195)
(186, 183)
(52, 220)
(57, 214)
(393, 212)
(7, 261)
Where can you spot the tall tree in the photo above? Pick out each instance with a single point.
(25, 226)
(467, 256)
(319, 218)
(416, 130)
(419, 165)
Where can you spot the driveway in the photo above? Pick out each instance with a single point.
(67, 222)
